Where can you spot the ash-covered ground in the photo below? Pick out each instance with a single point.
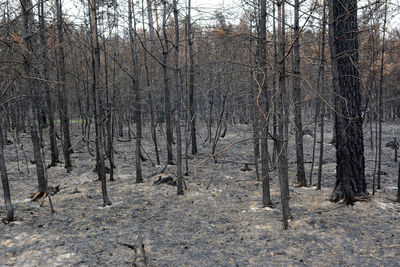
(218, 222)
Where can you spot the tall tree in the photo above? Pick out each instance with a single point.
(380, 100)
(48, 95)
(192, 111)
(33, 88)
(350, 178)
(282, 138)
(4, 180)
(301, 176)
(100, 165)
(321, 81)
(167, 90)
(179, 102)
(262, 83)
(136, 91)
(64, 103)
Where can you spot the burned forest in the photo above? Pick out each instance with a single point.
(199, 133)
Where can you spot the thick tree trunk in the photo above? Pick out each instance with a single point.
(350, 178)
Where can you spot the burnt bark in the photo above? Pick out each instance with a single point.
(4, 180)
(136, 91)
(100, 165)
(64, 115)
(301, 175)
(350, 177)
(167, 91)
(33, 88)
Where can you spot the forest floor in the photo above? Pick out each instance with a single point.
(218, 222)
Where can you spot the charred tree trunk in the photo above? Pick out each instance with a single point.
(49, 100)
(380, 104)
(281, 140)
(167, 91)
(100, 165)
(4, 180)
(179, 103)
(136, 91)
(263, 93)
(151, 81)
(350, 178)
(301, 175)
(192, 111)
(33, 88)
(322, 101)
(64, 116)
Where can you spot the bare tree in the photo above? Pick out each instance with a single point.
(350, 177)
(4, 180)
(301, 176)
(192, 111)
(136, 90)
(64, 115)
(33, 88)
(100, 165)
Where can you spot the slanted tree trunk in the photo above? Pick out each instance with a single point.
(4, 180)
(100, 165)
(136, 91)
(64, 116)
(301, 175)
(350, 178)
